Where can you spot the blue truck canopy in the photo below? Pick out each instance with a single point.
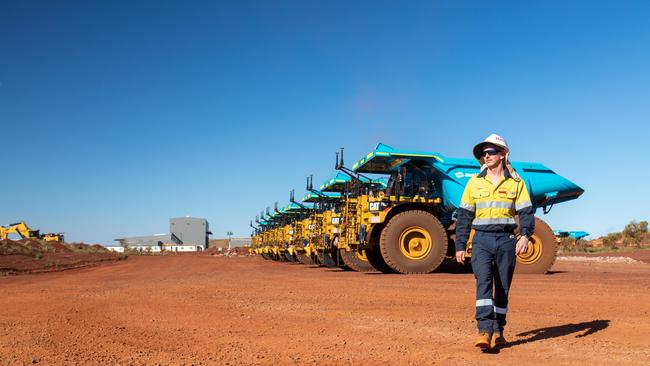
(314, 197)
(545, 186)
(571, 234)
(294, 208)
(338, 181)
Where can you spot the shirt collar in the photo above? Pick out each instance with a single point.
(506, 173)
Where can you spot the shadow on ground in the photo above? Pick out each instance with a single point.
(584, 329)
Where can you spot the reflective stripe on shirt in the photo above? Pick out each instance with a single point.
(490, 221)
(494, 204)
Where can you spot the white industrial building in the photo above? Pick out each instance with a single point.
(187, 234)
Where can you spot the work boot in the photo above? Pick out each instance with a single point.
(497, 340)
(483, 340)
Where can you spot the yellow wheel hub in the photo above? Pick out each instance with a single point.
(534, 252)
(415, 243)
(361, 254)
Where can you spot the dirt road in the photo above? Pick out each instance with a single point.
(248, 311)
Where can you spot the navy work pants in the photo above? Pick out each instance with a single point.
(493, 264)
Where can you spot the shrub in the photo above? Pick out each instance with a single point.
(635, 232)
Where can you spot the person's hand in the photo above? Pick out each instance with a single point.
(522, 245)
(460, 256)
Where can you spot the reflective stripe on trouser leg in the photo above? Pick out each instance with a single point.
(503, 269)
(482, 256)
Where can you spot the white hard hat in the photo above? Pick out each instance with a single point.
(493, 139)
(499, 142)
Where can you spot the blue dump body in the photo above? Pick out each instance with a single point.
(313, 197)
(571, 234)
(294, 208)
(545, 186)
(338, 181)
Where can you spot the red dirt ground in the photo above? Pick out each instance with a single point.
(209, 310)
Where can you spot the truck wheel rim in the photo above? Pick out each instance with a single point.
(361, 255)
(534, 252)
(415, 243)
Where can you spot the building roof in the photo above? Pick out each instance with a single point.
(146, 240)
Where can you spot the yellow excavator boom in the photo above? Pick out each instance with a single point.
(26, 232)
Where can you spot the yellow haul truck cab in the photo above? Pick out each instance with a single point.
(297, 216)
(265, 242)
(317, 245)
(257, 237)
(302, 245)
(346, 241)
(271, 234)
(315, 236)
(283, 234)
(265, 231)
(282, 242)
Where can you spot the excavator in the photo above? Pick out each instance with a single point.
(26, 232)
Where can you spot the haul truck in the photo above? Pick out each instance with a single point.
(314, 240)
(410, 227)
(298, 218)
(347, 239)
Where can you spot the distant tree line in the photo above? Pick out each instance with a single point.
(634, 234)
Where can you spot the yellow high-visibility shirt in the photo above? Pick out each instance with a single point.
(489, 207)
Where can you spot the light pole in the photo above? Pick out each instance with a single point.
(229, 233)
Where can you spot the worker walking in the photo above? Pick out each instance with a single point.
(489, 204)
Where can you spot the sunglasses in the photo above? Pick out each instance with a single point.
(490, 152)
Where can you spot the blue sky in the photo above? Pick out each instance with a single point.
(117, 115)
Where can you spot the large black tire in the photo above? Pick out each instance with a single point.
(326, 260)
(413, 242)
(542, 250)
(336, 258)
(265, 256)
(280, 257)
(376, 260)
(289, 257)
(356, 261)
(304, 258)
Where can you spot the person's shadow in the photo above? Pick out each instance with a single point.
(584, 329)
(587, 328)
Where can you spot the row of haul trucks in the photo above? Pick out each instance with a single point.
(395, 211)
